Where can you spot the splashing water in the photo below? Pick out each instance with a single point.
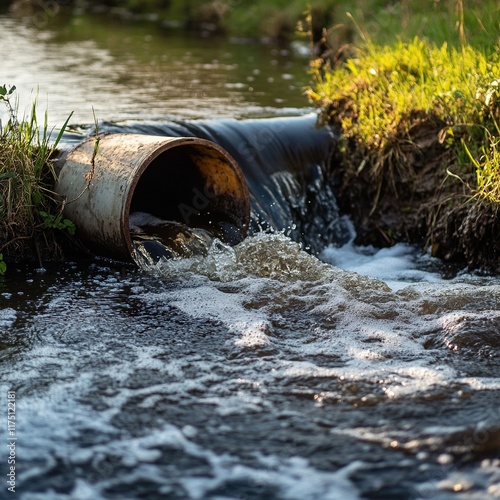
(154, 239)
(252, 371)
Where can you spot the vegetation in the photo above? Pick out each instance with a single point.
(278, 19)
(378, 98)
(30, 213)
(420, 142)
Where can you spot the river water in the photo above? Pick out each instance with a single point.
(260, 371)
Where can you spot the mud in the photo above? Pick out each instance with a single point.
(415, 200)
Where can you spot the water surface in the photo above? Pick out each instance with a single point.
(254, 372)
(137, 70)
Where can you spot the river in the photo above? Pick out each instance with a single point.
(260, 371)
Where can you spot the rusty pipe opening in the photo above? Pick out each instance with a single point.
(186, 179)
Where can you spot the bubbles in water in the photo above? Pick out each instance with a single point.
(396, 265)
(155, 240)
(7, 318)
(253, 368)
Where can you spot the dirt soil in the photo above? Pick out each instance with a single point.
(416, 201)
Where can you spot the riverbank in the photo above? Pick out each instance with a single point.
(418, 158)
(31, 213)
(283, 20)
(418, 154)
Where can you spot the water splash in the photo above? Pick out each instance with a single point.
(154, 239)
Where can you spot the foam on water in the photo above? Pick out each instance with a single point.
(253, 371)
(7, 318)
(397, 265)
(379, 331)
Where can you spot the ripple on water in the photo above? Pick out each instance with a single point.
(233, 376)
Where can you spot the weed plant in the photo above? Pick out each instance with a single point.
(29, 210)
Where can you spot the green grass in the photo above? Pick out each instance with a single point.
(418, 110)
(379, 96)
(29, 210)
(476, 22)
(433, 20)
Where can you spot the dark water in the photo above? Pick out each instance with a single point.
(255, 372)
(259, 371)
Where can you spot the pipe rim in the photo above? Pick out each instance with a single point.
(172, 143)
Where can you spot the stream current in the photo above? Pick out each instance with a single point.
(259, 371)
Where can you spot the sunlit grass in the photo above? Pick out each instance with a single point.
(380, 95)
(487, 168)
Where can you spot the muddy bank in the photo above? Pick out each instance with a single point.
(419, 204)
(418, 153)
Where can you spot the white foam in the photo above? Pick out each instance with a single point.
(51, 436)
(373, 332)
(333, 335)
(8, 317)
(481, 383)
(251, 326)
(395, 265)
(294, 478)
(454, 321)
(376, 336)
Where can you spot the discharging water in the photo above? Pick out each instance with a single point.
(253, 372)
(258, 371)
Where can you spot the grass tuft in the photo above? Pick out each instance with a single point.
(29, 209)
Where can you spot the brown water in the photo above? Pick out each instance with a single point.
(252, 372)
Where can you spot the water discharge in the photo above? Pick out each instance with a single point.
(154, 239)
(256, 370)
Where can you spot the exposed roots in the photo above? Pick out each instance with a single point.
(408, 196)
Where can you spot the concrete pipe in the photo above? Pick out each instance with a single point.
(186, 179)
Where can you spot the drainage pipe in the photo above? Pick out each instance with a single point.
(184, 179)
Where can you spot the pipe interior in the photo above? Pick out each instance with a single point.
(167, 188)
(197, 186)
